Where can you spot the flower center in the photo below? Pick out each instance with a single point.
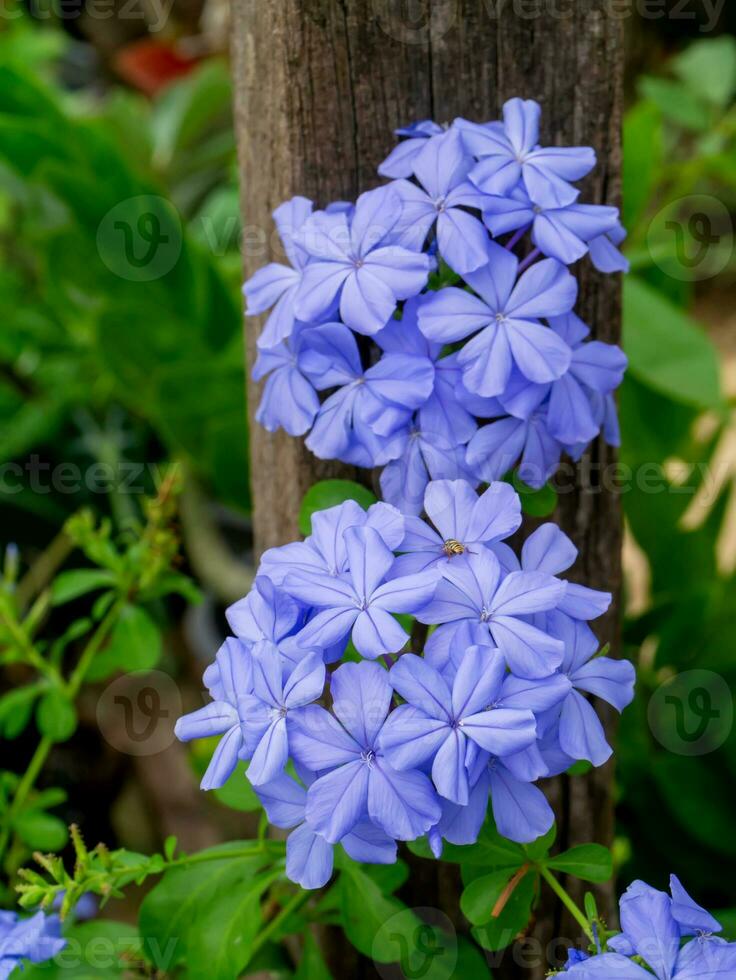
(369, 757)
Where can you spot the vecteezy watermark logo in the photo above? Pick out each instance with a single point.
(414, 944)
(692, 713)
(140, 239)
(137, 712)
(691, 239)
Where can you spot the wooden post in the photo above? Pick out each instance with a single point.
(320, 85)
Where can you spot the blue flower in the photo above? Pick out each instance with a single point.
(442, 167)
(361, 601)
(478, 591)
(356, 422)
(550, 550)
(289, 401)
(324, 550)
(309, 857)
(654, 925)
(511, 153)
(579, 730)
(442, 412)
(439, 720)
(268, 712)
(357, 781)
(499, 446)
(604, 251)
(504, 316)
(419, 454)
(462, 521)
(400, 161)
(276, 283)
(355, 261)
(266, 613)
(229, 679)
(35, 939)
(560, 232)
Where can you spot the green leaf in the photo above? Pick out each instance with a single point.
(480, 896)
(210, 911)
(15, 710)
(330, 493)
(535, 503)
(641, 161)
(708, 68)
(539, 848)
(676, 101)
(389, 932)
(41, 831)
(365, 909)
(667, 350)
(79, 581)
(237, 793)
(56, 716)
(135, 644)
(502, 931)
(311, 964)
(590, 862)
(491, 851)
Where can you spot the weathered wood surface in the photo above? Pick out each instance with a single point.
(320, 85)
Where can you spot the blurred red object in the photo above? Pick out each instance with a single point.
(150, 65)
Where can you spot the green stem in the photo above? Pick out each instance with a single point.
(295, 902)
(92, 649)
(44, 746)
(567, 901)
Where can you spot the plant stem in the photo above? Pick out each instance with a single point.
(92, 649)
(295, 902)
(567, 901)
(44, 746)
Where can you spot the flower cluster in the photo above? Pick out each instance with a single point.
(35, 939)
(456, 269)
(387, 748)
(670, 935)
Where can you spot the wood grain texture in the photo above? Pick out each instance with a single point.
(320, 85)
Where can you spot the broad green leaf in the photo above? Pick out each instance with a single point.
(539, 848)
(237, 793)
(491, 851)
(501, 931)
(590, 862)
(311, 965)
(135, 644)
(56, 716)
(330, 493)
(365, 909)
(667, 350)
(641, 161)
(708, 68)
(480, 896)
(15, 710)
(676, 101)
(210, 910)
(79, 581)
(41, 831)
(535, 503)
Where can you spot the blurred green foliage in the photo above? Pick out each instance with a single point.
(679, 199)
(122, 330)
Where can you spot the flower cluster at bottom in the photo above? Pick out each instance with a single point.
(401, 747)
(669, 935)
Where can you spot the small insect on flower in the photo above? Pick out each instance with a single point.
(453, 547)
